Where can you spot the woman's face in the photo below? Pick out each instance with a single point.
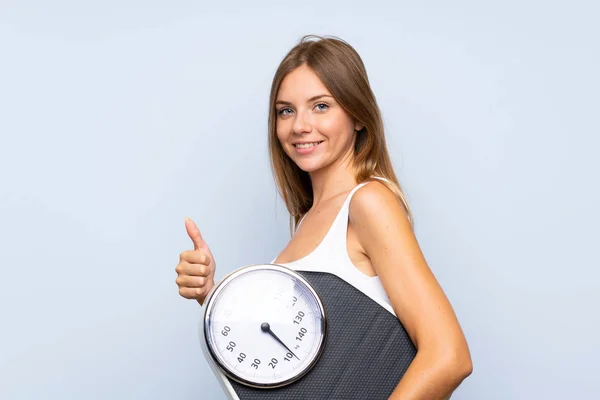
(313, 129)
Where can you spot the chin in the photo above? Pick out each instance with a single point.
(309, 167)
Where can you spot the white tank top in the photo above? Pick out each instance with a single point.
(332, 256)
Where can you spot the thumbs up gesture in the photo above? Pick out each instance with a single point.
(196, 268)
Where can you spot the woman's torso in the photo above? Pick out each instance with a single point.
(331, 256)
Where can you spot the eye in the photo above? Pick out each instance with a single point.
(322, 107)
(285, 111)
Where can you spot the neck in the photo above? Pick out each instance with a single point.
(332, 180)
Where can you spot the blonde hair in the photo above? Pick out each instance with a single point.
(342, 71)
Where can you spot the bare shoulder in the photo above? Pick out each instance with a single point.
(374, 205)
(385, 234)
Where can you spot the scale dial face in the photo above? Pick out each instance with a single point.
(264, 326)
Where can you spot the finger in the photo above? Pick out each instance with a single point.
(195, 257)
(191, 293)
(191, 281)
(185, 268)
(194, 234)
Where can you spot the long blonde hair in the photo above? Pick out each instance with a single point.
(342, 71)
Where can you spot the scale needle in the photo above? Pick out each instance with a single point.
(267, 328)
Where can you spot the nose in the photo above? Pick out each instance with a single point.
(302, 123)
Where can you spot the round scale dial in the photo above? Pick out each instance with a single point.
(264, 325)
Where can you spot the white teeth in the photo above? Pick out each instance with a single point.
(306, 145)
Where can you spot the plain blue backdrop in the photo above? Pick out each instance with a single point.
(120, 118)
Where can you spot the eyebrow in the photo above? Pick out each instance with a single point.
(308, 101)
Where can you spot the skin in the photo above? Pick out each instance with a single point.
(380, 238)
(196, 268)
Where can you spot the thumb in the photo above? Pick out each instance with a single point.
(194, 234)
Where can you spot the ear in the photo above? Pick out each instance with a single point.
(358, 126)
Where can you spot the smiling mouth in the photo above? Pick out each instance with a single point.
(307, 145)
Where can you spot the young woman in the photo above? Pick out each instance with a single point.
(332, 168)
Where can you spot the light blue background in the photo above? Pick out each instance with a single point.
(119, 118)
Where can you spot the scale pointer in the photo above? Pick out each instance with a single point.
(267, 328)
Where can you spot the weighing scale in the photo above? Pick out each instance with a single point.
(270, 332)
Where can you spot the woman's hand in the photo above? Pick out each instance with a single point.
(196, 268)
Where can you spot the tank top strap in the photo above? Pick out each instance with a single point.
(339, 229)
(347, 203)
(336, 237)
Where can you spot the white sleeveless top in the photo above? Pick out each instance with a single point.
(332, 256)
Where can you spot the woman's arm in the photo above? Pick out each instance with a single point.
(443, 359)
